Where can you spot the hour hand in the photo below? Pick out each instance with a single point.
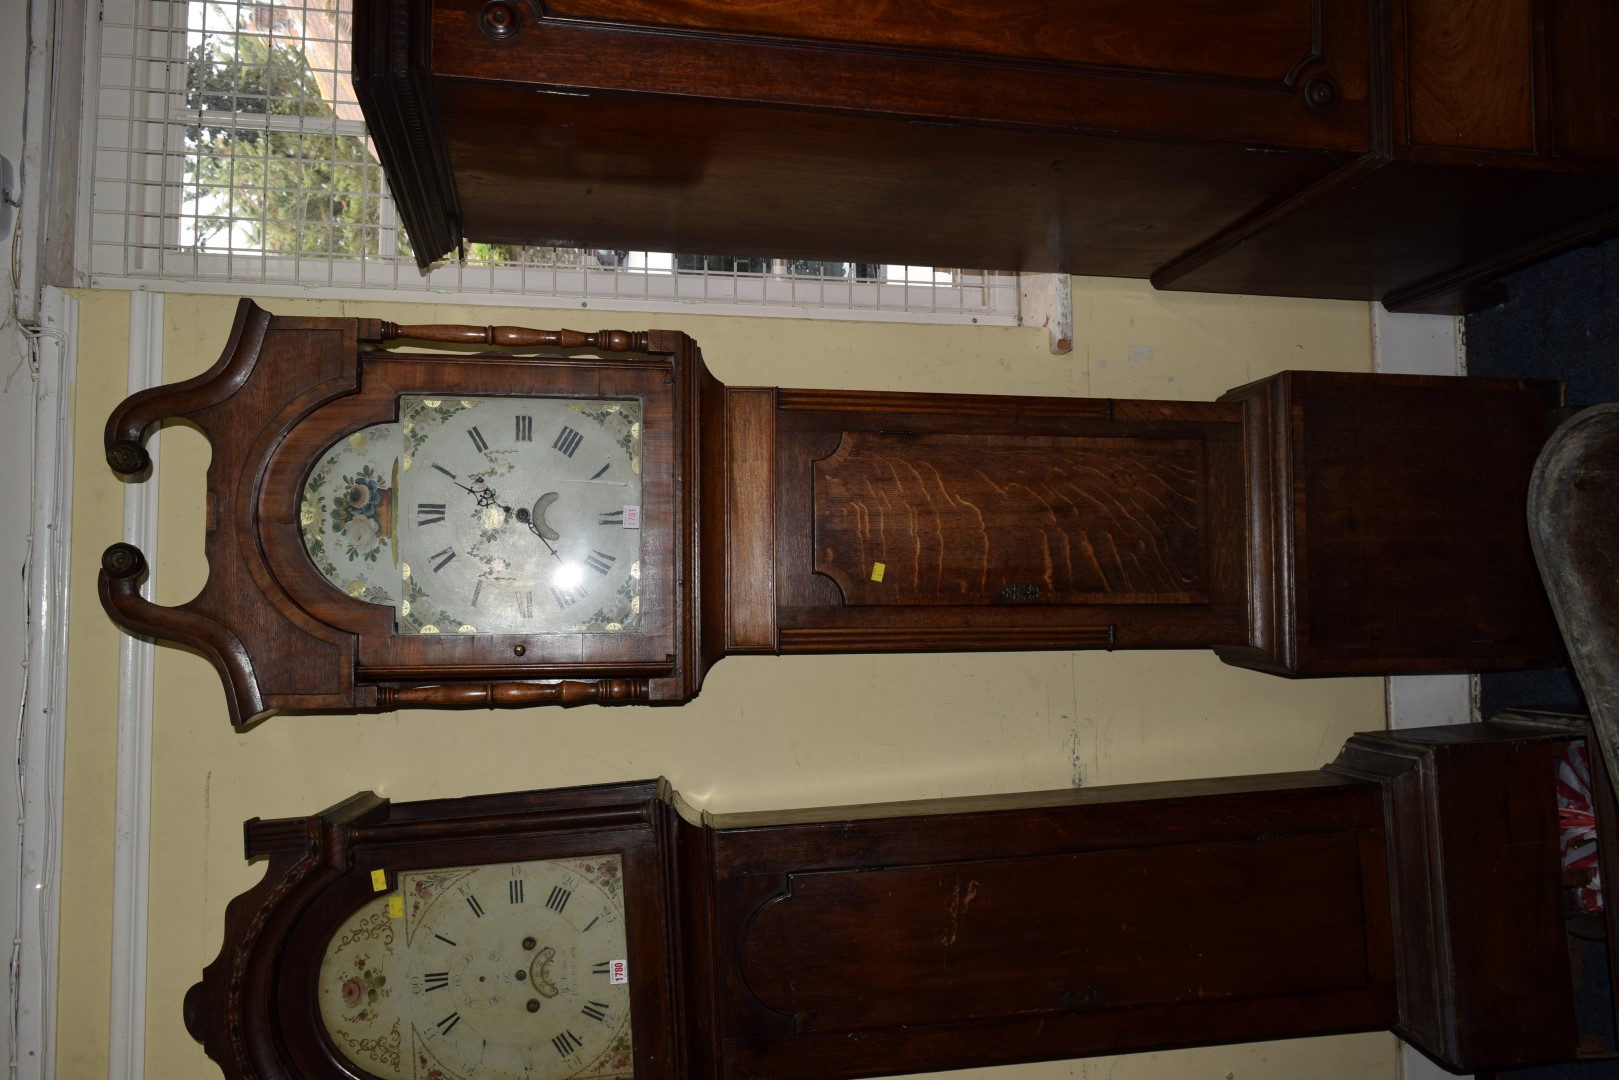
(483, 493)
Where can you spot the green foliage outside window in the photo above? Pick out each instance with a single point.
(308, 192)
(257, 185)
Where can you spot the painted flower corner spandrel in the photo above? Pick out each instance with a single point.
(347, 516)
(622, 422)
(422, 890)
(354, 988)
(604, 874)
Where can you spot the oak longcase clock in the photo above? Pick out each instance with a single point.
(568, 517)
(611, 931)
(392, 528)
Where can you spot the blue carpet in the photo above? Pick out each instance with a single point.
(1561, 321)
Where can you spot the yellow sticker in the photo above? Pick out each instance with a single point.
(396, 907)
(379, 881)
(877, 569)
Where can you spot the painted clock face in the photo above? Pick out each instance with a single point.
(486, 515)
(511, 971)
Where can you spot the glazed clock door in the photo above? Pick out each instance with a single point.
(523, 514)
(502, 972)
(464, 521)
(505, 937)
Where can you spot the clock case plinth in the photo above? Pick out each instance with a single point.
(1312, 523)
(1414, 884)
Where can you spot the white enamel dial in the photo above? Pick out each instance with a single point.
(513, 971)
(519, 515)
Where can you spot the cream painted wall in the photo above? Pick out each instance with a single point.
(765, 733)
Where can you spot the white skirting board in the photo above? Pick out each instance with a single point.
(126, 1059)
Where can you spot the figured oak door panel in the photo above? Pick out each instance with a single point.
(984, 519)
(939, 521)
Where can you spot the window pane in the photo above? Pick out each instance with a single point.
(230, 143)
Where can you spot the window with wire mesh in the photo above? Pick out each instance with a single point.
(276, 158)
(230, 147)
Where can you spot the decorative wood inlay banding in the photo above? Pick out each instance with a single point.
(237, 985)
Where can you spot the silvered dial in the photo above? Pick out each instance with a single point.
(486, 515)
(519, 515)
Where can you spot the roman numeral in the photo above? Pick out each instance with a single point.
(614, 518)
(514, 891)
(602, 967)
(591, 923)
(444, 939)
(525, 606)
(566, 598)
(441, 559)
(568, 441)
(596, 1010)
(525, 429)
(447, 1024)
(567, 1043)
(445, 471)
(600, 561)
(558, 899)
(597, 475)
(435, 980)
(477, 591)
(477, 908)
(478, 440)
(429, 514)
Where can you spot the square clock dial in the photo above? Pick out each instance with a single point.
(486, 515)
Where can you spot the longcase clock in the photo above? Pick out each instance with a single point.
(577, 517)
(611, 931)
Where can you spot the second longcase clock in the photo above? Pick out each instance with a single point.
(609, 931)
(594, 517)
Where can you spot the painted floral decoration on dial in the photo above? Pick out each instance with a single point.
(494, 514)
(495, 972)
